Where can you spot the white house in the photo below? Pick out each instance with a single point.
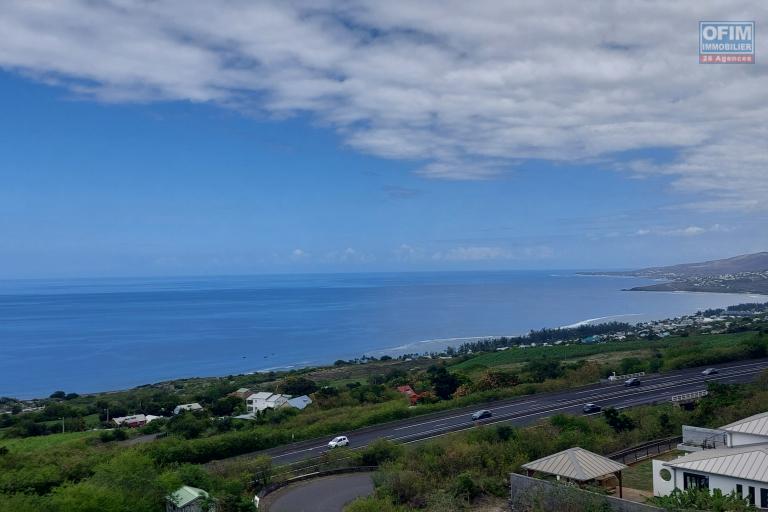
(743, 470)
(264, 400)
(741, 466)
(187, 407)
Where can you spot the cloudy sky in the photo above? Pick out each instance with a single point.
(173, 137)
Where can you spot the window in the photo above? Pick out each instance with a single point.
(739, 490)
(763, 498)
(665, 475)
(751, 495)
(694, 481)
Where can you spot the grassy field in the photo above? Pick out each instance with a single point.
(517, 355)
(640, 475)
(30, 444)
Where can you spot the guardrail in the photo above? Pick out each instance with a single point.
(621, 378)
(693, 395)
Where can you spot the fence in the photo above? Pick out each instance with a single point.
(645, 450)
(693, 395)
(698, 437)
(622, 378)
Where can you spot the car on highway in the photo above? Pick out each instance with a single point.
(338, 441)
(634, 381)
(482, 414)
(709, 371)
(591, 408)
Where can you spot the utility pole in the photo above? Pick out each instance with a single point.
(62, 425)
(107, 414)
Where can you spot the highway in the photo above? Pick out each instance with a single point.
(526, 410)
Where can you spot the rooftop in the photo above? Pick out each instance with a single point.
(749, 462)
(576, 464)
(185, 495)
(757, 424)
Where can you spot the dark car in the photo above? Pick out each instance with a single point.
(591, 408)
(634, 381)
(709, 371)
(479, 415)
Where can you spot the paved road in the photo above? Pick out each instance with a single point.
(326, 494)
(525, 410)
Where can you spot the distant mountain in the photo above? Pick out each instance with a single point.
(757, 262)
(747, 273)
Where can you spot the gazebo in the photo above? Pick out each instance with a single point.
(578, 465)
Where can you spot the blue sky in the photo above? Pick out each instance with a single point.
(120, 164)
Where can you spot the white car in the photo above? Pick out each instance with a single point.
(338, 441)
(709, 371)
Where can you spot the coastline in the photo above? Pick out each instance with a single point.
(394, 352)
(513, 296)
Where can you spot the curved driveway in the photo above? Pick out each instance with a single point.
(324, 494)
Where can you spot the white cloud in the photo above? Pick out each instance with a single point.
(467, 89)
(485, 253)
(685, 231)
(349, 255)
(299, 254)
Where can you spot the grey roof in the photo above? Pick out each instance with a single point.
(749, 462)
(185, 495)
(757, 424)
(300, 402)
(260, 395)
(576, 464)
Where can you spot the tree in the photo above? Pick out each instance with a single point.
(443, 382)
(188, 425)
(543, 369)
(226, 406)
(58, 394)
(299, 386)
(619, 422)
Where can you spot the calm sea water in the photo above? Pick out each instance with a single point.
(102, 334)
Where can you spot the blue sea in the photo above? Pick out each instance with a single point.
(86, 335)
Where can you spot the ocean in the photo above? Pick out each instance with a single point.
(86, 335)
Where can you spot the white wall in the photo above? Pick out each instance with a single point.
(660, 487)
(739, 439)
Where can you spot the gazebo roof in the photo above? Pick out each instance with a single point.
(577, 464)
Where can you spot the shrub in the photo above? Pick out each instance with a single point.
(380, 451)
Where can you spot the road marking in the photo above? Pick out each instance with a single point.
(463, 415)
(693, 378)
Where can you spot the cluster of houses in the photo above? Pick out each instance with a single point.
(263, 400)
(732, 458)
(255, 403)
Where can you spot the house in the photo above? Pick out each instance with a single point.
(187, 407)
(137, 420)
(300, 402)
(241, 393)
(189, 499)
(738, 463)
(264, 400)
(409, 392)
(743, 470)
